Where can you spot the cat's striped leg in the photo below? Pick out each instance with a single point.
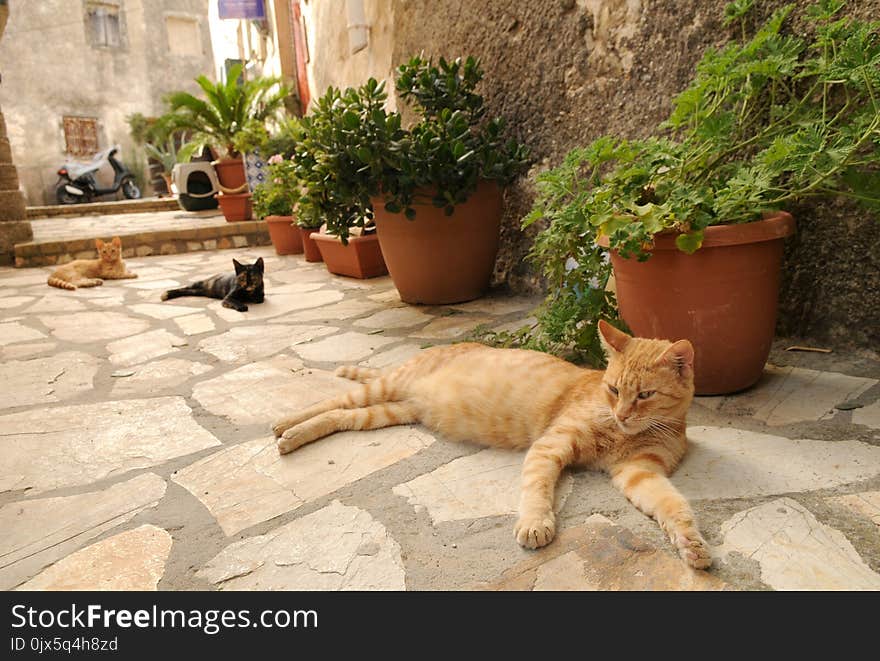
(387, 414)
(642, 479)
(542, 466)
(354, 373)
(375, 392)
(88, 282)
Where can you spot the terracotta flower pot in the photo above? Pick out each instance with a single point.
(230, 172)
(361, 258)
(310, 248)
(285, 235)
(236, 207)
(438, 259)
(722, 298)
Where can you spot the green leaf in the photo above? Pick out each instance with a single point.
(690, 242)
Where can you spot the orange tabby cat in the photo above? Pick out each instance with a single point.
(93, 272)
(628, 421)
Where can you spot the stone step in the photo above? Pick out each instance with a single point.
(5, 151)
(165, 242)
(11, 205)
(2, 126)
(145, 205)
(8, 177)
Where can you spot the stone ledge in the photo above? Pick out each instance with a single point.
(104, 208)
(164, 242)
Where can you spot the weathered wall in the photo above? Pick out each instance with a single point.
(331, 60)
(50, 69)
(565, 71)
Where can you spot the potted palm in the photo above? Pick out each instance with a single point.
(695, 220)
(228, 112)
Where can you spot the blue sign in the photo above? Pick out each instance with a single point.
(252, 9)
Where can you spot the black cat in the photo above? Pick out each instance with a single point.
(245, 286)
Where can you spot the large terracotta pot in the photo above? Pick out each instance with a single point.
(285, 235)
(310, 248)
(236, 207)
(231, 174)
(361, 258)
(722, 298)
(438, 259)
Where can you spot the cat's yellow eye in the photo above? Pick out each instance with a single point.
(611, 388)
(645, 394)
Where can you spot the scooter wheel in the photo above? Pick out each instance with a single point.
(130, 189)
(64, 197)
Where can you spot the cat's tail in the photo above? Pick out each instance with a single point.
(61, 284)
(362, 374)
(176, 293)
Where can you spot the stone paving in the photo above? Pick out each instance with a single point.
(135, 453)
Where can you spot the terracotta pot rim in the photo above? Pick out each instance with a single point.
(279, 219)
(778, 225)
(351, 239)
(428, 191)
(235, 195)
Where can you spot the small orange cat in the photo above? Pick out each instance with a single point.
(93, 272)
(628, 420)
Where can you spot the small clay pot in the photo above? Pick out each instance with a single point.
(230, 173)
(361, 258)
(722, 298)
(310, 248)
(285, 235)
(236, 207)
(438, 259)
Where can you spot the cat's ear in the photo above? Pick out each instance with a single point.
(99, 244)
(613, 340)
(238, 267)
(116, 241)
(259, 264)
(679, 356)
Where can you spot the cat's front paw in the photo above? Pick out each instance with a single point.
(692, 548)
(535, 530)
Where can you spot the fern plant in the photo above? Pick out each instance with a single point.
(766, 121)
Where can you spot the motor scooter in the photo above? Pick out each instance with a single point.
(77, 182)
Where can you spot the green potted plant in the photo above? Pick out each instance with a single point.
(273, 202)
(230, 112)
(165, 155)
(695, 219)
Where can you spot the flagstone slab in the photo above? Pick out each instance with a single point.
(483, 484)
(10, 302)
(345, 309)
(144, 347)
(250, 483)
(262, 392)
(867, 415)
(12, 332)
(163, 310)
(166, 283)
(195, 324)
(152, 378)
(866, 504)
(389, 296)
(131, 560)
(447, 328)
(277, 304)
(724, 462)
(335, 548)
(61, 302)
(498, 305)
(65, 446)
(85, 327)
(45, 380)
(392, 357)
(21, 351)
(786, 395)
(111, 300)
(344, 348)
(37, 533)
(6, 291)
(402, 317)
(795, 550)
(250, 343)
(600, 555)
(35, 277)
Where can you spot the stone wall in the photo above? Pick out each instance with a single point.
(565, 71)
(52, 70)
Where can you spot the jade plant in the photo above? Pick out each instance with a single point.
(766, 121)
(353, 151)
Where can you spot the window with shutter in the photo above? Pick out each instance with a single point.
(103, 21)
(81, 136)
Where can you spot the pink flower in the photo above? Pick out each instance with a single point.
(277, 158)
(277, 180)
